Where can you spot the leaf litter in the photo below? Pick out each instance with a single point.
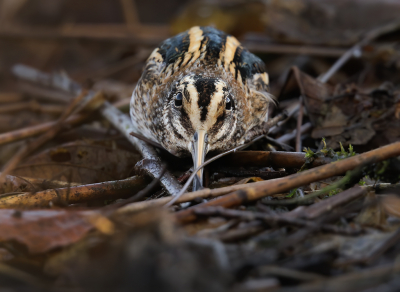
(77, 211)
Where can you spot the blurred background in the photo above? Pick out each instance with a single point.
(103, 44)
(110, 39)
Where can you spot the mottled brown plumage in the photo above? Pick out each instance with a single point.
(201, 89)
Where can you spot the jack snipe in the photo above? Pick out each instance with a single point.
(201, 91)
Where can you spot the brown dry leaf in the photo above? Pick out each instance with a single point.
(13, 184)
(43, 230)
(80, 162)
(349, 115)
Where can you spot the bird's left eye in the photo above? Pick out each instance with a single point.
(178, 99)
(228, 103)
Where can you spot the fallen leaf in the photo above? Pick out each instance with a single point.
(80, 162)
(43, 230)
(348, 114)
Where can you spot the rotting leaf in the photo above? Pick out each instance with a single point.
(43, 230)
(80, 162)
(350, 115)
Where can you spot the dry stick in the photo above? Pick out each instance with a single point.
(360, 280)
(267, 188)
(32, 184)
(316, 210)
(272, 220)
(80, 101)
(110, 209)
(75, 194)
(268, 125)
(264, 158)
(287, 137)
(299, 124)
(391, 241)
(150, 35)
(124, 125)
(7, 97)
(38, 129)
(270, 158)
(118, 119)
(18, 106)
(32, 105)
(369, 37)
(320, 213)
(375, 255)
(373, 34)
(42, 128)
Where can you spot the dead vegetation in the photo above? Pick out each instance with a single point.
(86, 206)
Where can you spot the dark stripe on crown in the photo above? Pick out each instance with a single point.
(175, 47)
(205, 88)
(247, 63)
(216, 40)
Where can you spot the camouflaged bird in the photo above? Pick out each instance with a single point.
(201, 91)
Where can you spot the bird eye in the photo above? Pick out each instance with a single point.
(178, 99)
(228, 103)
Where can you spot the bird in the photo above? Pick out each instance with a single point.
(201, 91)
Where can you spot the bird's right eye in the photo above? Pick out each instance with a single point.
(178, 99)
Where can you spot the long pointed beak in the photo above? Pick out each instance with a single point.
(199, 150)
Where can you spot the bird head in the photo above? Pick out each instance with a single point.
(200, 116)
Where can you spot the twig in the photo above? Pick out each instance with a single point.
(267, 126)
(246, 158)
(117, 119)
(31, 184)
(267, 188)
(357, 48)
(38, 129)
(143, 35)
(124, 125)
(288, 273)
(259, 47)
(287, 137)
(78, 103)
(75, 194)
(373, 34)
(299, 124)
(374, 256)
(137, 197)
(355, 281)
(316, 210)
(271, 220)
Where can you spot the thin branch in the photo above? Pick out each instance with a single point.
(299, 124)
(118, 119)
(270, 187)
(272, 220)
(75, 194)
(356, 50)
